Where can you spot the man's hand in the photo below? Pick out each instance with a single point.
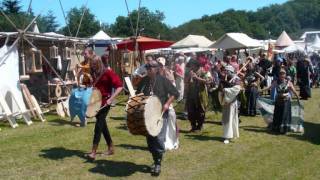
(165, 107)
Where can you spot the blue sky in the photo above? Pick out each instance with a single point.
(176, 11)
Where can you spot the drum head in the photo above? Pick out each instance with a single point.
(152, 114)
(94, 103)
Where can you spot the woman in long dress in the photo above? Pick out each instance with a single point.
(282, 110)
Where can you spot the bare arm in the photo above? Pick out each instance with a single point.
(114, 95)
(167, 104)
(291, 87)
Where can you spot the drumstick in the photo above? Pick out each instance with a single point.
(160, 117)
(246, 64)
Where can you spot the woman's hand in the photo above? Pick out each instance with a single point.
(109, 101)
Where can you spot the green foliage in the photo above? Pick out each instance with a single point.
(89, 26)
(47, 23)
(150, 24)
(294, 17)
(11, 6)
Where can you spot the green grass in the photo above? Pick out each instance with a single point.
(55, 150)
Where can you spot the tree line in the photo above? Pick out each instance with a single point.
(294, 16)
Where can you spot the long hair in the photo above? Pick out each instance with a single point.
(96, 71)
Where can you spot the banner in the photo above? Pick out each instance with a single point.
(266, 107)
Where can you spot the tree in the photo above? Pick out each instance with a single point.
(47, 23)
(89, 25)
(11, 6)
(150, 24)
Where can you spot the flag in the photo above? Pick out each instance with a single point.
(266, 107)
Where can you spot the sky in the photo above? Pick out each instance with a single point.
(176, 12)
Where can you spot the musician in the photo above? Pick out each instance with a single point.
(197, 95)
(229, 89)
(155, 84)
(104, 79)
(172, 140)
(252, 80)
(141, 71)
(83, 70)
(282, 109)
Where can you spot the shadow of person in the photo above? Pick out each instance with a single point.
(311, 133)
(105, 167)
(60, 122)
(203, 138)
(58, 153)
(123, 127)
(118, 168)
(214, 122)
(132, 147)
(118, 118)
(255, 129)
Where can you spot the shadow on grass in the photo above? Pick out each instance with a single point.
(58, 153)
(121, 104)
(105, 167)
(118, 168)
(123, 127)
(311, 133)
(214, 122)
(118, 118)
(203, 138)
(256, 129)
(132, 147)
(61, 122)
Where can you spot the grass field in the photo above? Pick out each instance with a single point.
(55, 150)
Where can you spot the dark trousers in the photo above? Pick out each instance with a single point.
(196, 115)
(156, 144)
(101, 127)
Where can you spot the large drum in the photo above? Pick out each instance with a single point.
(144, 115)
(94, 104)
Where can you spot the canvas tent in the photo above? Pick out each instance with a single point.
(100, 41)
(284, 40)
(100, 36)
(316, 43)
(192, 41)
(236, 41)
(293, 48)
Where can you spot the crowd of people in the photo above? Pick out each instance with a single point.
(196, 80)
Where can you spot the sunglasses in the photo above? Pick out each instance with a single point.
(149, 66)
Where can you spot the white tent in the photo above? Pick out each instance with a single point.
(284, 40)
(316, 43)
(192, 41)
(235, 41)
(101, 35)
(293, 48)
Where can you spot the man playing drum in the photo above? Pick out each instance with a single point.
(157, 85)
(104, 79)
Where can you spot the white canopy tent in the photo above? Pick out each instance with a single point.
(284, 40)
(293, 48)
(100, 36)
(236, 41)
(316, 43)
(192, 41)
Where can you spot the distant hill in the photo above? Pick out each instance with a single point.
(294, 16)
